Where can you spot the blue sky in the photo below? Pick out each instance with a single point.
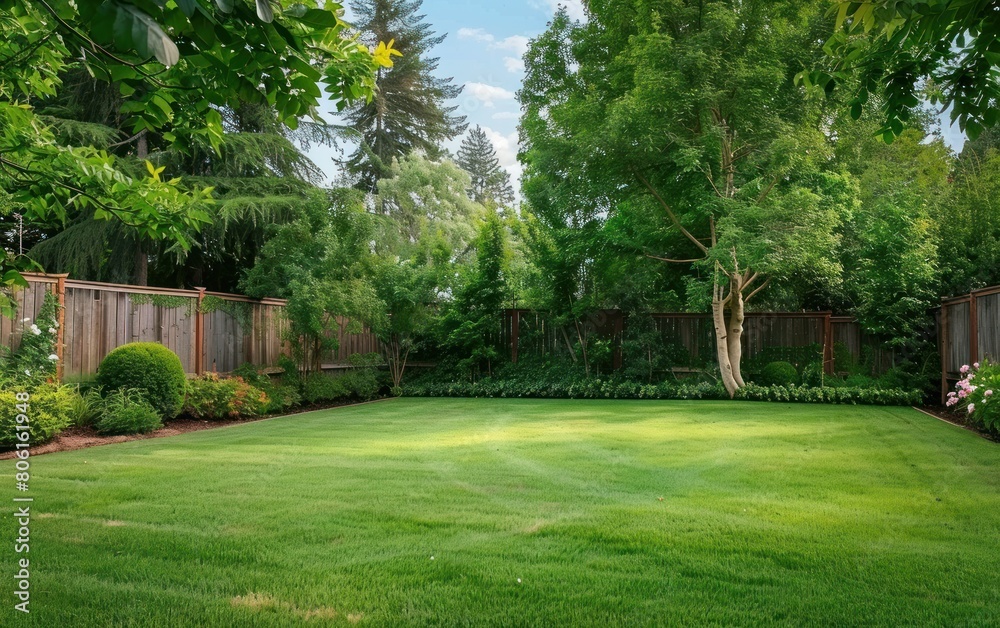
(482, 51)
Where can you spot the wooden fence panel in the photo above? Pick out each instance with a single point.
(988, 323)
(99, 318)
(29, 302)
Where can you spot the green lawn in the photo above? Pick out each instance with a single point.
(770, 513)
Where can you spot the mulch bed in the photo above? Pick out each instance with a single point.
(82, 437)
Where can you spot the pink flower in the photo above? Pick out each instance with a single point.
(962, 394)
(951, 401)
(988, 393)
(951, 394)
(975, 365)
(964, 369)
(971, 408)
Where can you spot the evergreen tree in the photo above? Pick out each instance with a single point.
(408, 111)
(490, 182)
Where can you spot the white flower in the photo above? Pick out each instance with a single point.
(27, 372)
(972, 408)
(52, 330)
(25, 320)
(56, 325)
(53, 357)
(35, 330)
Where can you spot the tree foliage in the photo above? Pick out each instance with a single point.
(216, 55)
(490, 182)
(892, 49)
(408, 110)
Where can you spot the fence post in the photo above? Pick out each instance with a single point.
(60, 331)
(828, 344)
(943, 347)
(973, 329)
(199, 334)
(515, 332)
(619, 329)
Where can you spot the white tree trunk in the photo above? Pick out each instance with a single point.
(722, 344)
(735, 336)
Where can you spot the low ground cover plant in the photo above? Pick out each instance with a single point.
(540, 381)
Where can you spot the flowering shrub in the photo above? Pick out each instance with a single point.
(974, 395)
(34, 362)
(212, 398)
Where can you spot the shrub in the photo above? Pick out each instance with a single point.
(319, 387)
(812, 374)
(361, 383)
(148, 367)
(977, 395)
(128, 412)
(778, 374)
(48, 413)
(213, 398)
(281, 395)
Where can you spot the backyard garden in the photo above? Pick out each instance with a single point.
(688, 315)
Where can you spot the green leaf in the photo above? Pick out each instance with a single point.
(264, 11)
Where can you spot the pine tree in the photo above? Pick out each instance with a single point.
(490, 182)
(408, 111)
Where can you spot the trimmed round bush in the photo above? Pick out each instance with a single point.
(778, 374)
(128, 412)
(148, 367)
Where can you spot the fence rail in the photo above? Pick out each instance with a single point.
(209, 331)
(968, 332)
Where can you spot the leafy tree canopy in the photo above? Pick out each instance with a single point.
(890, 49)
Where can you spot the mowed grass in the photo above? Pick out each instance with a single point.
(535, 513)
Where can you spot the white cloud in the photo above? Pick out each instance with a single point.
(488, 94)
(518, 44)
(477, 34)
(513, 64)
(506, 115)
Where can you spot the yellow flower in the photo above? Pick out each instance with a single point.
(384, 53)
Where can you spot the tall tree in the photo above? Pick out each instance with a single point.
(490, 182)
(216, 53)
(408, 111)
(687, 111)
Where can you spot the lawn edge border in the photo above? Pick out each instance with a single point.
(961, 427)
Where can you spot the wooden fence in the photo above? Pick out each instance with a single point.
(691, 337)
(968, 332)
(209, 331)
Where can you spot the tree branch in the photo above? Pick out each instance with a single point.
(674, 261)
(670, 213)
(758, 289)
